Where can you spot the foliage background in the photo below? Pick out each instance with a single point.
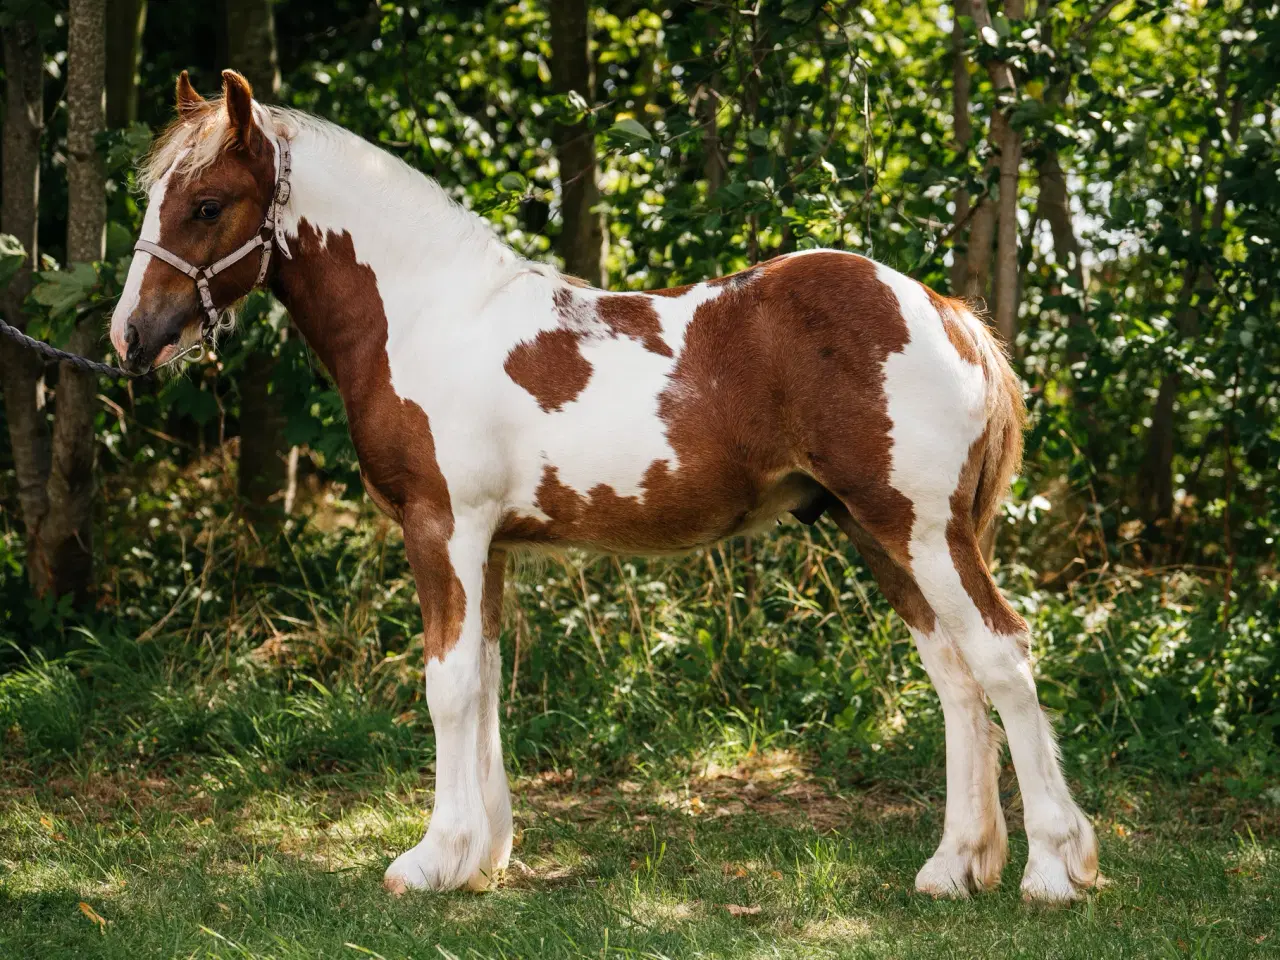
(725, 135)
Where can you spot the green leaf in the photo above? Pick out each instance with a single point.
(631, 130)
(513, 183)
(12, 256)
(64, 290)
(188, 397)
(799, 11)
(123, 148)
(119, 240)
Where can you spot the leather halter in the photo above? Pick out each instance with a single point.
(271, 230)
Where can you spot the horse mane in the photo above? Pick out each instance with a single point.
(190, 145)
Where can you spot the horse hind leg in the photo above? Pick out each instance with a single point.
(974, 843)
(993, 642)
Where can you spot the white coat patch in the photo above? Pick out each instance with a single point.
(132, 292)
(937, 403)
(451, 290)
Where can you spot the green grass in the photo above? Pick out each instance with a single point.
(175, 869)
(221, 759)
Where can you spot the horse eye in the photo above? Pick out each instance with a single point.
(208, 209)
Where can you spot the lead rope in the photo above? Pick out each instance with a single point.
(80, 363)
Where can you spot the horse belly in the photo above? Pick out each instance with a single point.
(615, 483)
(671, 518)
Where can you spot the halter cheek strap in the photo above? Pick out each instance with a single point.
(270, 235)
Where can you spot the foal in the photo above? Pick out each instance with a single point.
(496, 404)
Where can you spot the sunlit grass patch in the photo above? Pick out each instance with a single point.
(296, 873)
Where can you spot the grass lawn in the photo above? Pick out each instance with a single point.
(763, 860)
(755, 777)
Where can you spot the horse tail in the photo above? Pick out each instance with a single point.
(1006, 415)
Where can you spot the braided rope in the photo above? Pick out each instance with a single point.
(53, 353)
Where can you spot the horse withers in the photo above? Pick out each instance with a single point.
(497, 405)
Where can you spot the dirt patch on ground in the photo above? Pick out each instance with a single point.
(776, 784)
(99, 797)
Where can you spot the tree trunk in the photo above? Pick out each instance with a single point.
(977, 257)
(582, 237)
(21, 369)
(1157, 475)
(1002, 213)
(264, 461)
(1054, 206)
(713, 159)
(251, 46)
(962, 125)
(66, 535)
(125, 22)
(976, 271)
(1006, 314)
(264, 455)
(1008, 142)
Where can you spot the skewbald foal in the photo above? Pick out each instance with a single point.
(497, 405)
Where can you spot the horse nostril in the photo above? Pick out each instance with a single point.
(131, 338)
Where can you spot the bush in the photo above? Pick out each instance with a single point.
(42, 709)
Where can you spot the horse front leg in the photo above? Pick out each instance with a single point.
(449, 569)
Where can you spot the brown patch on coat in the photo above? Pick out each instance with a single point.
(515, 528)
(242, 180)
(962, 540)
(897, 584)
(671, 292)
(779, 380)
(379, 501)
(335, 302)
(734, 281)
(632, 315)
(737, 281)
(961, 339)
(843, 323)
(574, 312)
(958, 332)
(495, 570)
(550, 368)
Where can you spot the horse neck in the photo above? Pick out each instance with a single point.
(368, 233)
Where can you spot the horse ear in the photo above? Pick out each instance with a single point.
(238, 96)
(189, 102)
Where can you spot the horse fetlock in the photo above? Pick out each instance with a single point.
(501, 830)
(1063, 860)
(450, 857)
(959, 868)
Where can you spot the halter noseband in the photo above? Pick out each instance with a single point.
(271, 230)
